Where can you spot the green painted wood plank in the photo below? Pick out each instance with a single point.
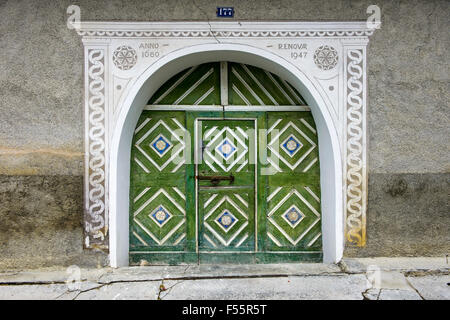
(255, 86)
(188, 87)
(249, 85)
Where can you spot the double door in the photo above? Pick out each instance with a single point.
(213, 187)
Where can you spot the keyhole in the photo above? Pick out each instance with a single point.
(203, 148)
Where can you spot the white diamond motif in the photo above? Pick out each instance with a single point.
(180, 146)
(226, 148)
(274, 147)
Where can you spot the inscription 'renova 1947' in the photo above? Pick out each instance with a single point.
(298, 50)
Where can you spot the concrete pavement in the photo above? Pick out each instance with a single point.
(355, 279)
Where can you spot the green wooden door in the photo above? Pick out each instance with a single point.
(293, 188)
(226, 208)
(224, 185)
(158, 202)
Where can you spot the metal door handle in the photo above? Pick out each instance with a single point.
(216, 179)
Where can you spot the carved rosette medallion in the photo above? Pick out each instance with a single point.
(326, 57)
(124, 57)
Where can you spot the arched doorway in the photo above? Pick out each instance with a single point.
(252, 191)
(115, 95)
(151, 79)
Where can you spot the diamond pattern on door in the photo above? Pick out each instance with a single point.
(157, 187)
(226, 220)
(293, 217)
(292, 145)
(293, 220)
(226, 149)
(159, 216)
(160, 143)
(227, 206)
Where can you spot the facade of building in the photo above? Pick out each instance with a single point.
(157, 132)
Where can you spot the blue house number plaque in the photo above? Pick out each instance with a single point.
(225, 12)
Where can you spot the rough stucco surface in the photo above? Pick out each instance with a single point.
(407, 214)
(41, 222)
(41, 108)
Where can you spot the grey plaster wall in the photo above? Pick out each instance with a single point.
(41, 222)
(41, 115)
(408, 215)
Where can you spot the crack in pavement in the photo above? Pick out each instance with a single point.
(97, 282)
(87, 290)
(192, 277)
(101, 285)
(206, 277)
(167, 289)
(417, 291)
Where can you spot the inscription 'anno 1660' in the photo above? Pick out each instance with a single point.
(149, 49)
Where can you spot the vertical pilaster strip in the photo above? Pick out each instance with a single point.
(224, 83)
(355, 145)
(96, 166)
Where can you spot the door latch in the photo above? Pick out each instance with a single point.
(216, 179)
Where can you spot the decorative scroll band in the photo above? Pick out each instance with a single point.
(355, 221)
(95, 227)
(226, 34)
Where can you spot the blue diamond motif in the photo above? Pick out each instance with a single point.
(160, 215)
(161, 145)
(291, 145)
(226, 149)
(226, 220)
(293, 216)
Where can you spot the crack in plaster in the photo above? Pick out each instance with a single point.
(207, 20)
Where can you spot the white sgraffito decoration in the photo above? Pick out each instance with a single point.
(355, 213)
(124, 57)
(95, 227)
(328, 57)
